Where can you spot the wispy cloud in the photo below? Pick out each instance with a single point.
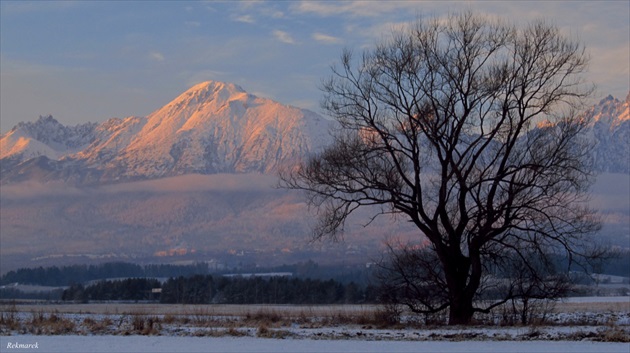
(34, 189)
(274, 13)
(250, 4)
(195, 182)
(262, 9)
(352, 8)
(156, 56)
(283, 36)
(322, 8)
(178, 184)
(244, 19)
(326, 39)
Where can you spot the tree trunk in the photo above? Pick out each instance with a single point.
(463, 279)
(461, 310)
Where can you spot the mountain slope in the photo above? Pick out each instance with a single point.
(611, 132)
(216, 127)
(213, 127)
(45, 137)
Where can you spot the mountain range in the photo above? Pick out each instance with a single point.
(213, 127)
(194, 181)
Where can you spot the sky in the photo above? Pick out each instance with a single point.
(87, 61)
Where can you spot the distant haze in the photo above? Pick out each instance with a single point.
(196, 181)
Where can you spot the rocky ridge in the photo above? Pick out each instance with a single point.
(213, 127)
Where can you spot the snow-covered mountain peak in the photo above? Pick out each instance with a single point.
(208, 91)
(44, 122)
(215, 86)
(219, 127)
(611, 131)
(45, 137)
(610, 112)
(213, 127)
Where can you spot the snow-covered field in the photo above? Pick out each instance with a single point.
(112, 344)
(600, 324)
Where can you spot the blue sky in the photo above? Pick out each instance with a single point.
(92, 60)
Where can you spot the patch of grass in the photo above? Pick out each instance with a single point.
(8, 319)
(169, 319)
(274, 322)
(48, 324)
(263, 316)
(97, 327)
(384, 317)
(380, 318)
(235, 333)
(615, 334)
(265, 332)
(146, 325)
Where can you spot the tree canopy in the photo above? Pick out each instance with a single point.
(468, 127)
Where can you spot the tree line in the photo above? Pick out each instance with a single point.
(130, 289)
(64, 276)
(67, 275)
(209, 289)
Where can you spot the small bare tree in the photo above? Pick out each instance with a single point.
(412, 277)
(467, 127)
(532, 286)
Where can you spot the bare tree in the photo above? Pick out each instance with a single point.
(412, 277)
(467, 127)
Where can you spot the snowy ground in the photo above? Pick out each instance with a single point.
(580, 325)
(250, 344)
